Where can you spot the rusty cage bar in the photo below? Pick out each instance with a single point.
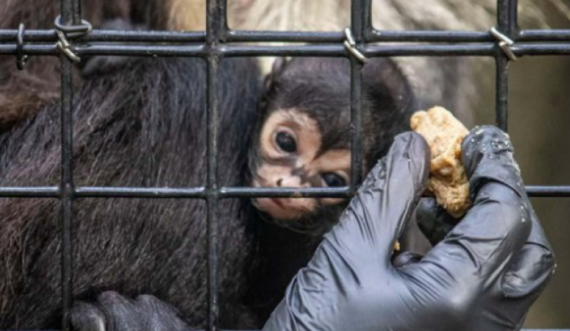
(216, 43)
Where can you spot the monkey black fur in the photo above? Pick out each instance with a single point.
(22, 93)
(143, 125)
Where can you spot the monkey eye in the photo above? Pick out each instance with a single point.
(286, 142)
(333, 180)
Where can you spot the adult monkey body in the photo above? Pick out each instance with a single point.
(453, 82)
(142, 124)
(141, 134)
(450, 82)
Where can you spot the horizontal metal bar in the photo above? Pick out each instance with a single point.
(548, 191)
(323, 50)
(487, 49)
(30, 192)
(10, 49)
(239, 192)
(201, 192)
(139, 192)
(109, 35)
(224, 192)
(544, 35)
(29, 35)
(428, 36)
(283, 36)
(289, 36)
(541, 49)
(142, 50)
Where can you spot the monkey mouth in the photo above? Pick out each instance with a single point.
(269, 204)
(276, 201)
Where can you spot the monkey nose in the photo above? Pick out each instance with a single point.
(290, 181)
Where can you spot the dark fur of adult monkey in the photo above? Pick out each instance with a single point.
(450, 82)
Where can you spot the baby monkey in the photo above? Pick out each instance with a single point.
(304, 138)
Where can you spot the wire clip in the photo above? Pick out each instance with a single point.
(66, 32)
(21, 58)
(505, 43)
(350, 46)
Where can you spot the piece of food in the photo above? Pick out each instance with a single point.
(444, 134)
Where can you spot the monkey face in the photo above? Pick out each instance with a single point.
(291, 156)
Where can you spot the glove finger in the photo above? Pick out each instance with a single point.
(479, 248)
(487, 154)
(413, 239)
(386, 199)
(533, 267)
(497, 226)
(433, 220)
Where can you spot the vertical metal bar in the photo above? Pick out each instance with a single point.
(502, 92)
(223, 25)
(213, 29)
(507, 22)
(357, 27)
(367, 19)
(70, 14)
(66, 188)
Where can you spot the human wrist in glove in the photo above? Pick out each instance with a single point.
(483, 275)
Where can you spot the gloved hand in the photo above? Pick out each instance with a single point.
(484, 275)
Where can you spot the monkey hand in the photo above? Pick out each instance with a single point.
(112, 312)
(483, 275)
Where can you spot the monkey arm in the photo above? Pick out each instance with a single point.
(484, 275)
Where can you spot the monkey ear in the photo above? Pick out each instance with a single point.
(277, 69)
(388, 87)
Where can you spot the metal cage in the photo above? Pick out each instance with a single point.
(217, 42)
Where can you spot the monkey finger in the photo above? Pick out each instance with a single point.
(121, 313)
(402, 259)
(87, 317)
(160, 315)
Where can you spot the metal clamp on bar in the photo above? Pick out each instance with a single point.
(21, 58)
(65, 32)
(350, 46)
(73, 31)
(505, 43)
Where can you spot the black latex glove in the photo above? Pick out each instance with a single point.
(484, 275)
